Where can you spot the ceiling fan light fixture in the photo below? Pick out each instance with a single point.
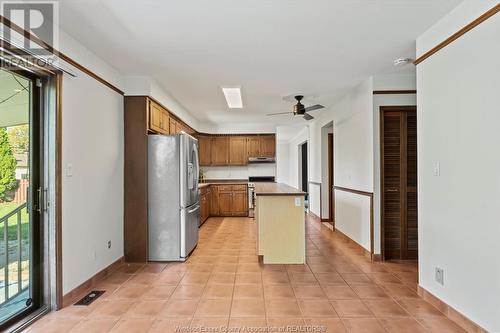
(233, 97)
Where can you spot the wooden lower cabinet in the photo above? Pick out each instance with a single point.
(214, 201)
(239, 204)
(205, 200)
(225, 203)
(223, 200)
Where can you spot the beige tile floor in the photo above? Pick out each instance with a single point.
(223, 287)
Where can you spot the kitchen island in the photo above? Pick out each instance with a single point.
(280, 219)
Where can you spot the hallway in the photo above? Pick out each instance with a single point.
(223, 284)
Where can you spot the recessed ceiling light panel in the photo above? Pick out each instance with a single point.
(233, 97)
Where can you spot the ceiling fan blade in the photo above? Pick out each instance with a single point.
(314, 107)
(308, 116)
(276, 114)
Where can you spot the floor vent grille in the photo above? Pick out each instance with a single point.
(90, 297)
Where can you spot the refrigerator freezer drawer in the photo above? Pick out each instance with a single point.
(190, 220)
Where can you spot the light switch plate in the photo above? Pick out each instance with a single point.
(440, 276)
(298, 202)
(69, 170)
(436, 169)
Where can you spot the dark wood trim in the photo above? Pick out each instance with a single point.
(135, 215)
(366, 194)
(350, 190)
(458, 34)
(330, 179)
(58, 236)
(394, 92)
(85, 287)
(452, 314)
(407, 108)
(5, 21)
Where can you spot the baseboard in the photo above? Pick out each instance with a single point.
(328, 225)
(352, 241)
(79, 291)
(450, 312)
(314, 216)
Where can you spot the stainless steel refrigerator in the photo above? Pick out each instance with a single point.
(173, 197)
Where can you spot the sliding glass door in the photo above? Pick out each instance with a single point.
(21, 195)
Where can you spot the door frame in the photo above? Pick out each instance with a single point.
(49, 102)
(383, 109)
(331, 203)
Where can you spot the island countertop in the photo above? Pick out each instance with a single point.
(276, 189)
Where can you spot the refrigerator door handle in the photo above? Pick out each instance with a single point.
(194, 209)
(196, 166)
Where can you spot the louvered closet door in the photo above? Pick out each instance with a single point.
(392, 184)
(411, 187)
(399, 206)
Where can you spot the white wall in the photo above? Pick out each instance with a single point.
(288, 156)
(318, 159)
(353, 161)
(237, 128)
(92, 142)
(459, 215)
(282, 158)
(239, 172)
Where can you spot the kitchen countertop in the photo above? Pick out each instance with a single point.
(275, 189)
(209, 182)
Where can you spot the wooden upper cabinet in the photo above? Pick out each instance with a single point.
(173, 126)
(155, 117)
(165, 123)
(267, 146)
(205, 148)
(253, 146)
(220, 150)
(158, 118)
(238, 150)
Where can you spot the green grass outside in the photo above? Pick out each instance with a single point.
(6, 208)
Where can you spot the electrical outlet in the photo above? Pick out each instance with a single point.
(298, 202)
(440, 276)
(109, 244)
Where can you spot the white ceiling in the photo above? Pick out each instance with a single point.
(270, 48)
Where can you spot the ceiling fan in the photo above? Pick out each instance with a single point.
(300, 110)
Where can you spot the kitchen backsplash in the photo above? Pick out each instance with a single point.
(239, 172)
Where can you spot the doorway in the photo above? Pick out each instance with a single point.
(303, 172)
(399, 222)
(21, 195)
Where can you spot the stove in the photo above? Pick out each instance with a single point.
(251, 189)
